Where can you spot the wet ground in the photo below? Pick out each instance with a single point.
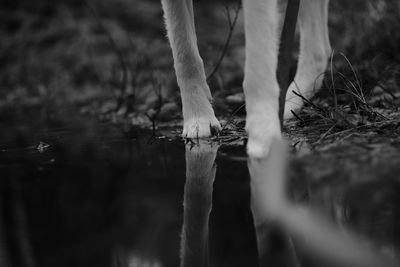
(76, 191)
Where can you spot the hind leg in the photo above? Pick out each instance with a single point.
(315, 51)
(198, 115)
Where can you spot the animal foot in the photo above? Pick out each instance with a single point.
(307, 83)
(263, 128)
(294, 101)
(201, 127)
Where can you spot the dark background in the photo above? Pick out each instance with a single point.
(77, 51)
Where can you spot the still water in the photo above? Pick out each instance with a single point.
(75, 191)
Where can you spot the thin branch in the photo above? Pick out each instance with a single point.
(113, 44)
(309, 102)
(232, 24)
(332, 87)
(297, 117)
(231, 116)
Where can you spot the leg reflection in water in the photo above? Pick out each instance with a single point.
(275, 246)
(200, 175)
(314, 234)
(218, 227)
(233, 220)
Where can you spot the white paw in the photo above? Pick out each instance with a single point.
(263, 128)
(307, 83)
(306, 89)
(200, 165)
(200, 127)
(293, 103)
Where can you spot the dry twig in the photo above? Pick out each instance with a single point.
(231, 24)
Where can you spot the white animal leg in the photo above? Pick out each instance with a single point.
(261, 19)
(315, 50)
(198, 115)
(197, 204)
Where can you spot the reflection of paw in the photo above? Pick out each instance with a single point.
(200, 163)
(142, 262)
(268, 183)
(201, 127)
(263, 127)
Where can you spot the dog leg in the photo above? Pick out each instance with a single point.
(197, 204)
(261, 19)
(198, 116)
(315, 50)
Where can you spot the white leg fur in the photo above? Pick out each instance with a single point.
(200, 175)
(315, 51)
(198, 116)
(261, 19)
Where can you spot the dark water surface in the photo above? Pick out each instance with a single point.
(78, 192)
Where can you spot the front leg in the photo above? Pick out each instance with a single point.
(260, 85)
(198, 115)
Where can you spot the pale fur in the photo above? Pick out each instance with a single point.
(261, 89)
(315, 50)
(271, 209)
(262, 21)
(198, 116)
(313, 232)
(197, 203)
